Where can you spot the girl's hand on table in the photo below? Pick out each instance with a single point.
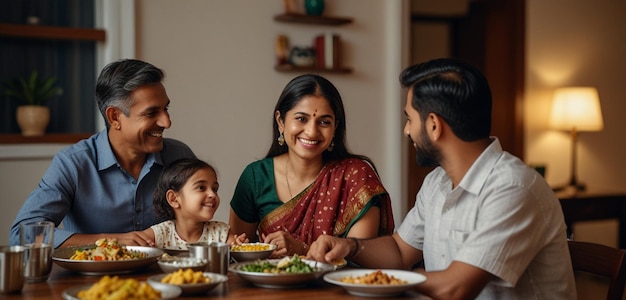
(133, 238)
(238, 239)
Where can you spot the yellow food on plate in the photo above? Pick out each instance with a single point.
(107, 249)
(339, 262)
(250, 247)
(115, 288)
(378, 277)
(187, 276)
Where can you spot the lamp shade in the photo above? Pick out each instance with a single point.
(576, 108)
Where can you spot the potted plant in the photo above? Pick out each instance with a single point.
(32, 94)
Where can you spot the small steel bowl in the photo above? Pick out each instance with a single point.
(169, 264)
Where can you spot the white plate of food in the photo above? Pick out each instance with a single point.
(251, 251)
(281, 273)
(103, 287)
(87, 259)
(212, 280)
(375, 282)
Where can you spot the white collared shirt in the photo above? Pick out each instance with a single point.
(503, 218)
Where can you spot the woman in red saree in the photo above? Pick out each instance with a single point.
(309, 184)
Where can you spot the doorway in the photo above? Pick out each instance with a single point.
(490, 35)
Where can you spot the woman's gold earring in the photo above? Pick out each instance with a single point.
(331, 146)
(281, 139)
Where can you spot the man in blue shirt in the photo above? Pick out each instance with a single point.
(102, 187)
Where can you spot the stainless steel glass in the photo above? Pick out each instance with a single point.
(11, 269)
(218, 255)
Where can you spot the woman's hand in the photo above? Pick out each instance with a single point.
(286, 245)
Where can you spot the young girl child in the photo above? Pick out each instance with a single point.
(186, 194)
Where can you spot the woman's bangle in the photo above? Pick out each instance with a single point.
(357, 248)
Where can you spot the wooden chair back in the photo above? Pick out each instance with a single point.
(601, 260)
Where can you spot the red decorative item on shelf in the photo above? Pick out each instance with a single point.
(327, 51)
(319, 51)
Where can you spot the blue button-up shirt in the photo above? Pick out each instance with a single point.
(87, 190)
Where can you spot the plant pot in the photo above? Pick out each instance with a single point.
(33, 119)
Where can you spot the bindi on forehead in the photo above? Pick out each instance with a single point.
(315, 113)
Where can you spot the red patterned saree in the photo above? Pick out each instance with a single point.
(342, 193)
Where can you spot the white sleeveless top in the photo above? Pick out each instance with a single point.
(165, 235)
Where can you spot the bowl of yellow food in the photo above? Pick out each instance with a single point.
(251, 251)
(190, 282)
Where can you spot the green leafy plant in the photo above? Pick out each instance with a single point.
(32, 90)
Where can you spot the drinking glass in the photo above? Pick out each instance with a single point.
(37, 238)
(11, 269)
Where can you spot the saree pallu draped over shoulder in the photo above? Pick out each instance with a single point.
(340, 195)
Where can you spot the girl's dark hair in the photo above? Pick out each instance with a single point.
(454, 90)
(313, 85)
(174, 177)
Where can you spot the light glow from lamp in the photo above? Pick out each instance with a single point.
(576, 109)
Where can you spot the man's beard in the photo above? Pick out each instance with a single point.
(426, 154)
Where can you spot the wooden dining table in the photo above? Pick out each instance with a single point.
(235, 288)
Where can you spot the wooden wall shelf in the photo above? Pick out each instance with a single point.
(314, 20)
(307, 19)
(52, 32)
(49, 138)
(291, 68)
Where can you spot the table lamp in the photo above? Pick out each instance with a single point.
(576, 109)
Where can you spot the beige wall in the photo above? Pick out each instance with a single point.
(578, 43)
(219, 59)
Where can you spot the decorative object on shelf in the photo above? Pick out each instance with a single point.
(282, 50)
(32, 20)
(327, 51)
(32, 94)
(302, 56)
(314, 7)
(290, 6)
(576, 109)
(33, 119)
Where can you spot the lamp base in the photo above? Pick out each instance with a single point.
(578, 187)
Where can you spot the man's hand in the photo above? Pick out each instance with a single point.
(329, 248)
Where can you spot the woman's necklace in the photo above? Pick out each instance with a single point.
(287, 177)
